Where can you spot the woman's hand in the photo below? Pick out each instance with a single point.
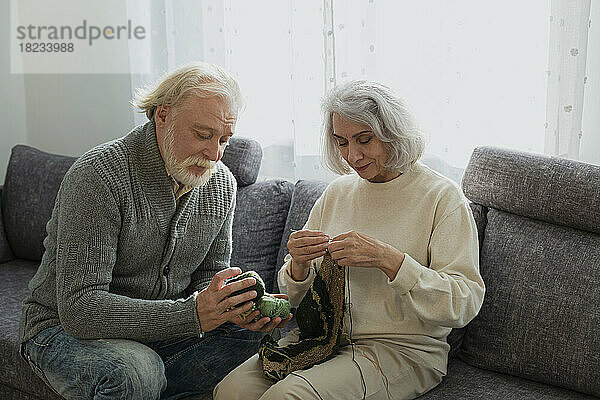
(305, 246)
(358, 250)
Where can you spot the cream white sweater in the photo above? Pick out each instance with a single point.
(438, 286)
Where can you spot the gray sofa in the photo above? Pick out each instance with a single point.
(539, 229)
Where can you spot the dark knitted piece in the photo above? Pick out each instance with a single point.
(320, 317)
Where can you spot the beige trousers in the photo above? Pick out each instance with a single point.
(338, 378)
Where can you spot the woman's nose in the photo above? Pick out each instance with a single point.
(354, 154)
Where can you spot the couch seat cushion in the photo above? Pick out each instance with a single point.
(467, 382)
(14, 371)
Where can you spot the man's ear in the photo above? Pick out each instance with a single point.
(160, 115)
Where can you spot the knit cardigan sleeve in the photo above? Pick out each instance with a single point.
(218, 257)
(89, 222)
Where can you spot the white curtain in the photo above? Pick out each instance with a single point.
(569, 25)
(175, 38)
(474, 72)
(590, 141)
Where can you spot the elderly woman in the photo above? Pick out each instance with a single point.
(407, 239)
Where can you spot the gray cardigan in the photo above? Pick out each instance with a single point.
(123, 259)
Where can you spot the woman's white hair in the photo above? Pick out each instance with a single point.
(197, 78)
(378, 107)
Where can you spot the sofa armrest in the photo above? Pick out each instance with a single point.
(6, 253)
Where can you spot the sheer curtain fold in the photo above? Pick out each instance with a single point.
(176, 30)
(473, 73)
(569, 25)
(590, 141)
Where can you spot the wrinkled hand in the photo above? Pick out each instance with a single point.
(264, 324)
(214, 304)
(358, 250)
(305, 246)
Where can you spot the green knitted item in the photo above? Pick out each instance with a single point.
(268, 305)
(320, 320)
(272, 307)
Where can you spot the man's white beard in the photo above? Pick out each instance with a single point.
(179, 170)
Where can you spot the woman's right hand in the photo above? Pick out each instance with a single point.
(305, 246)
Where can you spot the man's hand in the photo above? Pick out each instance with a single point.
(214, 304)
(264, 324)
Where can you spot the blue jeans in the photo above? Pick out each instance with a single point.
(126, 369)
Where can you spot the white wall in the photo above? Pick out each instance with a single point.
(590, 141)
(70, 114)
(12, 110)
(59, 113)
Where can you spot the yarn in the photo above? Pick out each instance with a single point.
(272, 307)
(266, 304)
(259, 286)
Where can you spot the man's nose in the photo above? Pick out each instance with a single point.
(213, 151)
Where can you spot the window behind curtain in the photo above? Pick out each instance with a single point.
(473, 72)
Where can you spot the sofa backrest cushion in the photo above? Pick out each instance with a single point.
(480, 217)
(32, 181)
(455, 337)
(306, 193)
(540, 318)
(243, 157)
(33, 178)
(546, 188)
(258, 224)
(6, 253)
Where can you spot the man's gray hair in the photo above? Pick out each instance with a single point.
(197, 78)
(378, 107)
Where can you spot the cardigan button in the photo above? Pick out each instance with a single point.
(166, 270)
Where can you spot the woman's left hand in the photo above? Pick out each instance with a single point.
(358, 250)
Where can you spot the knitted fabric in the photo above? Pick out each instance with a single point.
(319, 317)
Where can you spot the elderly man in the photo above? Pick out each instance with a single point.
(131, 300)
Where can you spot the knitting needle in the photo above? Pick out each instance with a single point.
(296, 230)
